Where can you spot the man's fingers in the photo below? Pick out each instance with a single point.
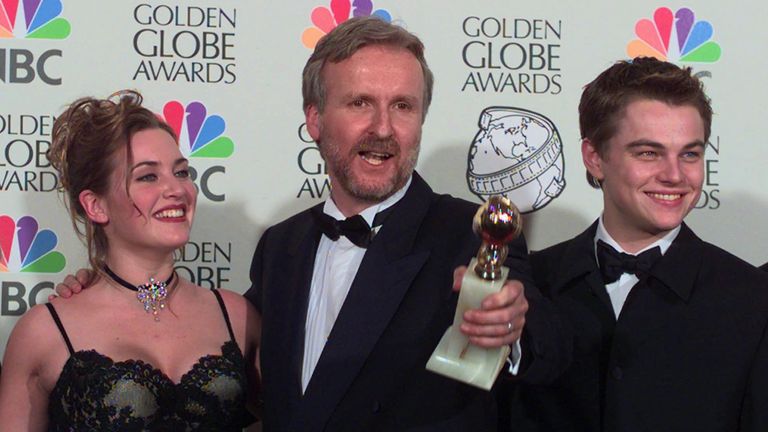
(493, 342)
(501, 319)
(494, 335)
(497, 316)
(72, 284)
(82, 277)
(493, 326)
(510, 292)
(507, 307)
(62, 290)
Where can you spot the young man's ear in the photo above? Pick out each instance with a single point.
(592, 159)
(94, 207)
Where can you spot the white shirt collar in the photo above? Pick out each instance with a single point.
(368, 214)
(663, 243)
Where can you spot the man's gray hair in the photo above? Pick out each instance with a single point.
(344, 41)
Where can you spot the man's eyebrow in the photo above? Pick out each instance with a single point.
(696, 143)
(369, 97)
(658, 145)
(644, 143)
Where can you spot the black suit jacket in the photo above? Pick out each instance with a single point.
(687, 353)
(371, 375)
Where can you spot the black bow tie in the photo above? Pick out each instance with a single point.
(355, 228)
(613, 263)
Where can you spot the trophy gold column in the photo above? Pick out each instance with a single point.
(497, 222)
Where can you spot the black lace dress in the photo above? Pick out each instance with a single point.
(95, 393)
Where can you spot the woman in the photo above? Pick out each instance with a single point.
(142, 348)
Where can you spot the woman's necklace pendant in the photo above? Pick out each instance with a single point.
(152, 296)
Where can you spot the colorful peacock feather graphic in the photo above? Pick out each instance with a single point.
(326, 19)
(691, 42)
(204, 132)
(35, 19)
(24, 248)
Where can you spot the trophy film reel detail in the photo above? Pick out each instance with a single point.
(516, 153)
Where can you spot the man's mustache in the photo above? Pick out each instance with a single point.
(378, 145)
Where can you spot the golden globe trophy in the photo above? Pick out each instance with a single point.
(497, 222)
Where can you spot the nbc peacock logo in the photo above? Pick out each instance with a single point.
(204, 133)
(326, 19)
(32, 19)
(25, 248)
(675, 36)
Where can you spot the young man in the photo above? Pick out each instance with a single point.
(349, 323)
(669, 330)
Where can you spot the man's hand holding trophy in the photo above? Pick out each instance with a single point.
(497, 222)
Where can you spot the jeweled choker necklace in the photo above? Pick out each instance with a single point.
(151, 295)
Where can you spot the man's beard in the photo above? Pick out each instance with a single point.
(340, 166)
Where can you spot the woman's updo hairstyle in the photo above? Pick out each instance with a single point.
(85, 138)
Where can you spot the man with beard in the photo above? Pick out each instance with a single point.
(352, 313)
(669, 331)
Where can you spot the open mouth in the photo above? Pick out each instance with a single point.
(170, 213)
(665, 197)
(374, 158)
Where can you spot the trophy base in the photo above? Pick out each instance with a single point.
(474, 365)
(455, 357)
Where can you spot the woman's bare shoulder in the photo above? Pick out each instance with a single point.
(245, 319)
(34, 333)
(236, 302)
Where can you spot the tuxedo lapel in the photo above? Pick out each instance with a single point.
(678, 269)
(665, 291)
(579, 263)
(294, 268)
(386, 272)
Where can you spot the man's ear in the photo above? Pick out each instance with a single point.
(592, 159)
(94, 206)
(312, 117)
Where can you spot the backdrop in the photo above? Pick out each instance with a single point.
(227, 74)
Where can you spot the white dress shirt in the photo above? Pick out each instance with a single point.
(336, 264)
(619, 290)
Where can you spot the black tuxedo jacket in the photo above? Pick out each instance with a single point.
(687, 353)
(371, 375)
